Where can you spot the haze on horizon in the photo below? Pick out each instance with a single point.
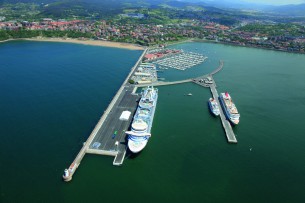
(276, 2)
(262, 2)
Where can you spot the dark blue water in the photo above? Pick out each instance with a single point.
(52, 95)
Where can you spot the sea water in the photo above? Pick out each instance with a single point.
(52, 95)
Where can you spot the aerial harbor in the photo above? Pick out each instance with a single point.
(154, 101)
(168, 127)
(110, 134)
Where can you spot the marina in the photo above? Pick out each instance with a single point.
(181, 61)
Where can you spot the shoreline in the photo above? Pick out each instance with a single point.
(83, 42)
(236, 45)
(230, 44)
(7, 40)
(122, 45)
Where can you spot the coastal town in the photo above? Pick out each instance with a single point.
(152, 101)
(155, 26)
(150, 34)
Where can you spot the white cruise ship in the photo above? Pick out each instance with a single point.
(142, 121)
(213, 106)
(229, 108)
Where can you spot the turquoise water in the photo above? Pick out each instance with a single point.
(53, 94)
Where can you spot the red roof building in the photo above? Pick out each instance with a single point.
(150, 56)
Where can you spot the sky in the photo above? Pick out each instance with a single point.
(276, 2)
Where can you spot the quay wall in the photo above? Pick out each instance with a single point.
(83, 150)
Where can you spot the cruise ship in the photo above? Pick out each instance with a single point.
(229, 108)
(214, 108)
(142, 121)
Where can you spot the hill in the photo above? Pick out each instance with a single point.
(288, 10)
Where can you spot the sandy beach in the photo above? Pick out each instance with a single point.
(7, 40)
(87, 42)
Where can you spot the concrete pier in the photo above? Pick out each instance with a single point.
(108, 136)
(113, 129)
(212, 85)
(225, 123)
(161, 83)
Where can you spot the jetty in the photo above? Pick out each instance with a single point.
(225, 123)
(163, 83)
(208, 82)
(108, 137)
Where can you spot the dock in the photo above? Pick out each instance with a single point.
(208, 82)
(108, 137)
(113, 129)
(225, 123)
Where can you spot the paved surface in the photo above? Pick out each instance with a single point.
(161, 83)
(195, 80)
(218, 69)
(105, 138)
(198, 82)
(120, 150)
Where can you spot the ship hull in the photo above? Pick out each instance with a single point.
(212, 110)
(138, 141)
(226, 112)
(136, 147)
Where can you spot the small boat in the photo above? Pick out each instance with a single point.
(213, 106)
(189, 94)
